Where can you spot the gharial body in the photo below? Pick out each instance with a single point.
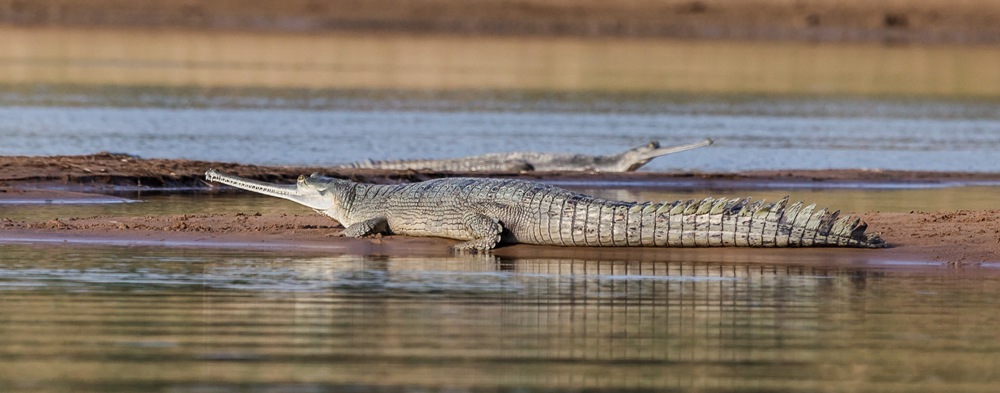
(627, 161)
(485, 212)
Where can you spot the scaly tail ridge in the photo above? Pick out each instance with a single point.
(719, 222)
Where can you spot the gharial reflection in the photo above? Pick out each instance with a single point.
(479, 322)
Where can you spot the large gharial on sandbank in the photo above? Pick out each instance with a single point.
(627, 161)
(486, 212)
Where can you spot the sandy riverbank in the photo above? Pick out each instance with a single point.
(955, 237)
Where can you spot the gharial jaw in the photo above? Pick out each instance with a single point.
(632, 160)
(303, 192)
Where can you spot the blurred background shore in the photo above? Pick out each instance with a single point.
(892, 21)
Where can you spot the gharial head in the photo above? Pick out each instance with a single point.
(315, 191)
(633, 159)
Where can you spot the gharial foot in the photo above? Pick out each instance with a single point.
(486, 231)
(371, 226)
(474, 246)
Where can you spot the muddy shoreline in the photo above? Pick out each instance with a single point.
(953, 237)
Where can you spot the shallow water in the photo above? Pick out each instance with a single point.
(155, 319)
(332, 99)
(329, 137)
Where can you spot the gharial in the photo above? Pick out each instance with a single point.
(485, 212)
(627, 161)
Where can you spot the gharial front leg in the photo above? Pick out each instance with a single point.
(485, 232)
(367, 227)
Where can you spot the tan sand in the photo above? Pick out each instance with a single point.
(954, 237)
(958, 238)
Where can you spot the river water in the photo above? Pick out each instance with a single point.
(331, 99)
(138, 319)
(133, 318)
(328, 137)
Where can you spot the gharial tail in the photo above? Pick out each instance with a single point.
(704, 223)
(740, 222)
(485, 163)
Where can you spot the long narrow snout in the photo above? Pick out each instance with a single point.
(676, 149)
(309, 197)
(634, 159)
(275, 190)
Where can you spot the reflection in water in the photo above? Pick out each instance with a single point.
(139, 319)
